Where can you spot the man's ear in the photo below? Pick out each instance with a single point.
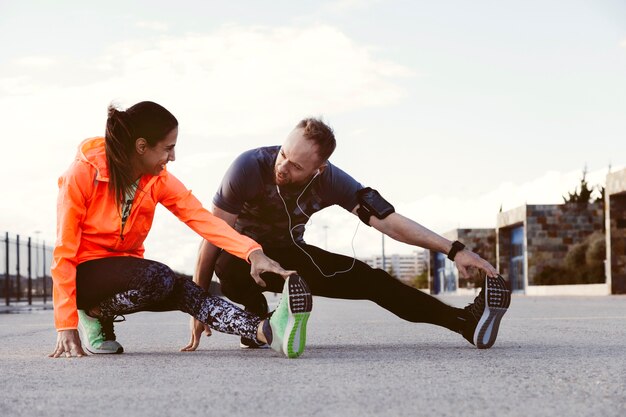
(141, 145)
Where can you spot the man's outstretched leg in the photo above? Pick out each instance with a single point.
(478, 322)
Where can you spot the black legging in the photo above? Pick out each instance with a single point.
(124, 285)
(362, 282)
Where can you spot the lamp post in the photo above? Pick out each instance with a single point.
(383, 244)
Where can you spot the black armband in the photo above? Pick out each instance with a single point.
(371, 203)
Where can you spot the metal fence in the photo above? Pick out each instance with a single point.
(24, 270)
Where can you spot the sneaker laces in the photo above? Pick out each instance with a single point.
(477, 308)
(107, 326)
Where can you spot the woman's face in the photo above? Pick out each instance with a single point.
(153, 159)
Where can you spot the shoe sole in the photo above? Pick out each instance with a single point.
(300, 306)
(497, 301)
(82, 332)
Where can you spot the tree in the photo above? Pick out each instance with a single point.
(582, 194)
(420, 281)
(391, 272)
(583, 264)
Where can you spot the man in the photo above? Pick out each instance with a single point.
(269, 194)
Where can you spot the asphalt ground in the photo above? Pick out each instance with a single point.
(554, 356)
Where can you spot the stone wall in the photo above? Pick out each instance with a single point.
(481, 241)
(551, 230)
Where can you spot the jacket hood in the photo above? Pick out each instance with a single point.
(92, 151)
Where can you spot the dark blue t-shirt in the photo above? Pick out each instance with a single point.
(248, 190)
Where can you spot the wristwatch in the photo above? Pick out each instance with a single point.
(456, 247)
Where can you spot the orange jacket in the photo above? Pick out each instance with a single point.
(89, 224)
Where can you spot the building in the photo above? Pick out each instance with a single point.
(444, 277)
(404, 267)
(615, 218)
(536, 242)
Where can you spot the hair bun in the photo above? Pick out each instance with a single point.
(112, 111)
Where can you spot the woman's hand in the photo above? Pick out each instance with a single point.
(196, 327)
(260, 263)
(68, 342)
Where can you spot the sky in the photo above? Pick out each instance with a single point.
(451, 109)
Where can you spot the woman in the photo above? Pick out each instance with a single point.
(105, 208)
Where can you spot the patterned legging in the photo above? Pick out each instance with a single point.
(124, 285)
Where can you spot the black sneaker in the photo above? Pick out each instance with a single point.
(485, 313)
(246, 343)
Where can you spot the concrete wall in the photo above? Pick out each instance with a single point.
(615, 213)
(506, 222)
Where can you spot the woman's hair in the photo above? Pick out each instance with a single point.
(147, 120)
(321, 134)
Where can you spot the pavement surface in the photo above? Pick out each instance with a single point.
(555, 356)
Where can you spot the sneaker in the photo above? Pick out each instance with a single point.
(486, 312)
(286, 328)
(246, 343)
(97, 334)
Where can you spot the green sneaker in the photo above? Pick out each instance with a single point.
(97, 334)
(286, 328)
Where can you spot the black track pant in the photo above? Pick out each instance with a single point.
(124, 285)
(362, 282)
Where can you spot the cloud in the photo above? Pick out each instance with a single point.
(232, 82)
(342, 6)
(36, 62)
(153, 25)
(267, 77)
(623, 43)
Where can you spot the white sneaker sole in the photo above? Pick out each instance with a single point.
(497, 301)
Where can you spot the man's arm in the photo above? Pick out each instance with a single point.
(207, 255)
(405, 230)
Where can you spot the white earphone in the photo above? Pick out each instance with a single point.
(318, 172)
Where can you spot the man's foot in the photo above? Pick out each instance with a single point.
(286, 328)
(97, 334)
(246, 343)
(485, 313)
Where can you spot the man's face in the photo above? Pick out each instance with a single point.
(297, 160)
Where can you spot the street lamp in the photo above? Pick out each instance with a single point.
(383, 243)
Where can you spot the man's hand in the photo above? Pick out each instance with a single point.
(197, 327)
(260, 263)
(467, 259)
(68, 342)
